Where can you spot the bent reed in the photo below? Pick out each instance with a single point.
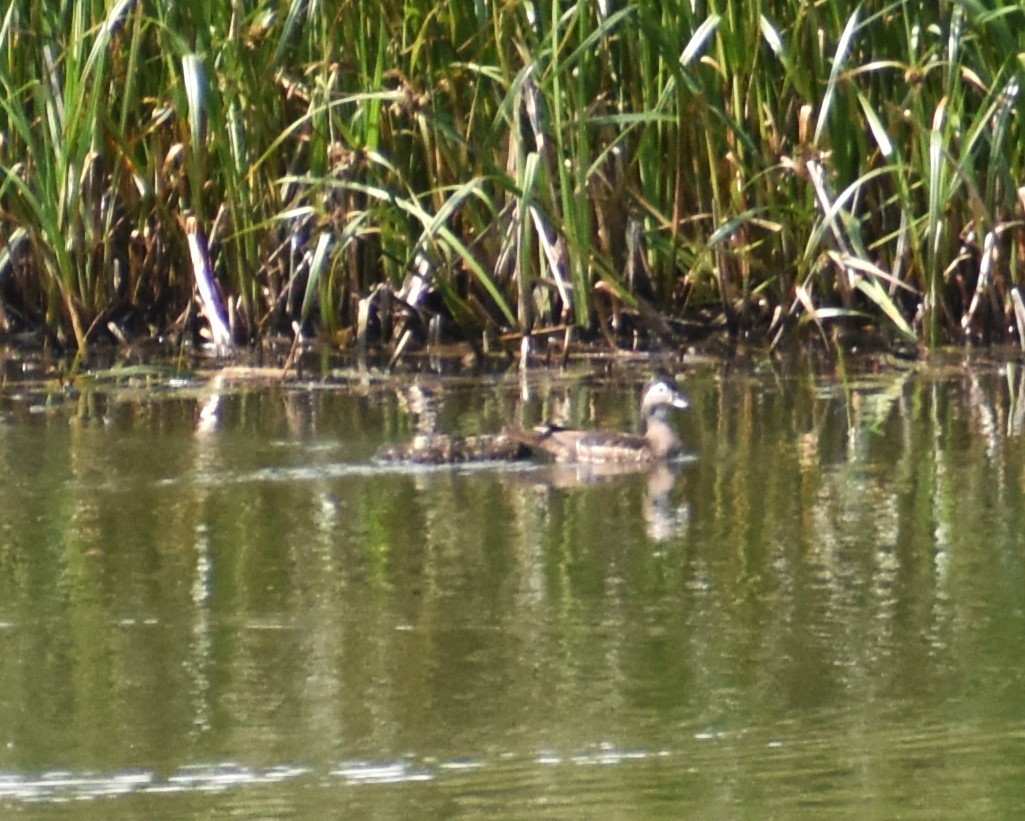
(642, 172)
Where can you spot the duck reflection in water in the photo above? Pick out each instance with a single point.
(665, 518)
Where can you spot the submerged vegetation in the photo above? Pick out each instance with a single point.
(641, 173)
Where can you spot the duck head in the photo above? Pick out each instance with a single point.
(659, 396)
(661, 441)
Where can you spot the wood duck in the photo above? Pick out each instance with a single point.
(658, 443)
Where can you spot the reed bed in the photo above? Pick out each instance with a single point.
(372, 172)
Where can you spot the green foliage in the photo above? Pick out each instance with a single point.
(804, 161)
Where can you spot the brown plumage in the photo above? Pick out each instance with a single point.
(658, 443)
(442, 449)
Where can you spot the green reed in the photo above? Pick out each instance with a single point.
(780, 164)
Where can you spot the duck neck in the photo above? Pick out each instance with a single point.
(661, 437)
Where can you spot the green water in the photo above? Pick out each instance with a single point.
(821, 611)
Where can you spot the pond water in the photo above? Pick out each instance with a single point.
(213, 600)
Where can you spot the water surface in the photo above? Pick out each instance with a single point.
(212, 599)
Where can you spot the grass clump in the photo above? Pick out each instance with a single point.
(647, 172)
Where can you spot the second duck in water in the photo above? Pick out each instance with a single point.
(658, 443)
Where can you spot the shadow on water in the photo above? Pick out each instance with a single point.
(212, 598)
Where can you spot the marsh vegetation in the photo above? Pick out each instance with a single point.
(636, 174)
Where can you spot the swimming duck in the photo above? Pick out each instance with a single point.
(658, 443)
(443, 449)
(429, 447)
